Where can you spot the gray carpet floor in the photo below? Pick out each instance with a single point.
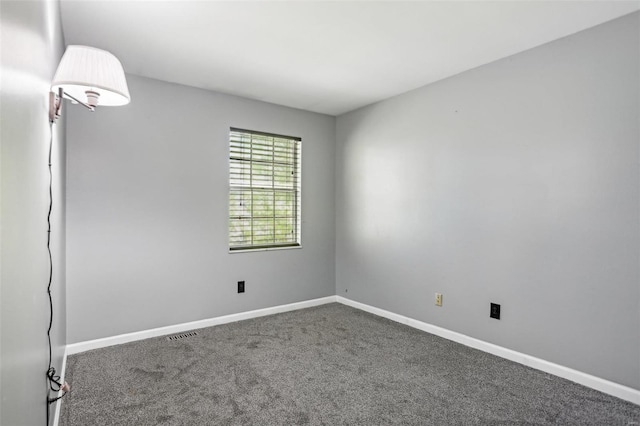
(327, 365)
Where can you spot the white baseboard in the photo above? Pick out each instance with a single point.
(602, 385)
(63, 368)
(597, 383)
(75, 348)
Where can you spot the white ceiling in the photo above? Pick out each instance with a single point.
(329, 57)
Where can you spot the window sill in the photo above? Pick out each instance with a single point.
(249, 250)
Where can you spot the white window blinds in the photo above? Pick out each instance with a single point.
(264, 190)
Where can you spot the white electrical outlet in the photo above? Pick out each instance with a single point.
(438, 299)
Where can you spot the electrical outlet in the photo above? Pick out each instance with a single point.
(495, 311)
(438, 299)
(240, 286)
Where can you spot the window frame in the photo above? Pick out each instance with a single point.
(295, 190)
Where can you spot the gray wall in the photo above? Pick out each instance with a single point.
(31, 48)
(147, 208)
(516, 183)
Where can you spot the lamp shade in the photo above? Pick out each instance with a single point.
(86, 71)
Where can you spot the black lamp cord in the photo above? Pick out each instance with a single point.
(53, 379)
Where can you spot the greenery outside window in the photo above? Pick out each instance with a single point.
(264, 190)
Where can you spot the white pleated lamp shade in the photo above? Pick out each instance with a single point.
(85, 69)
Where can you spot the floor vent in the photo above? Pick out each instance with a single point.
(182, 336)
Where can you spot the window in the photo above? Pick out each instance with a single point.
(264, 190)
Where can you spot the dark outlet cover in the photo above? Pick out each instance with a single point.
(495, 311)
(240, 286)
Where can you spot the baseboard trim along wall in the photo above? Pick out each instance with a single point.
(75, 348)
(602, 385)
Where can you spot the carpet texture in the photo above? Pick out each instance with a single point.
(327, 365)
